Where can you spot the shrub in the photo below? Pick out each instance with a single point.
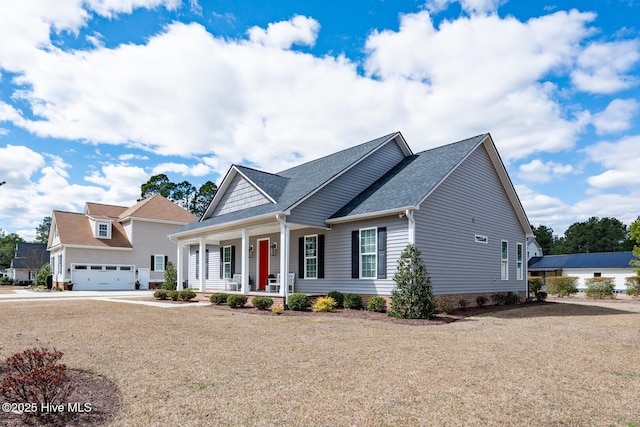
(338, 297)
(562, 286)
(600, 287)
(277, 309)
(353, 302)
(481, 301)
(161, 294)
(535, 284)
(43, 273)
(633, 286)
(445, 304)
(218, 298)
(237, 301)
(170, 277)
(377, 304)
(463, 303)
(512, 298)
(262, 303)
(499, 299)
(35, 376)
(187, 294)
(173, 295)
(324, 305)
(6, 280)
(298, 301)
(412, 298)
(541, 296)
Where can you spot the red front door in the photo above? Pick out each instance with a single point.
(263, 263)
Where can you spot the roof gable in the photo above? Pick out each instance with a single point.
(159, 208)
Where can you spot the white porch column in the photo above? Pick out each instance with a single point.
(245, 261)
(203, 265)
(180, 264)
(284, 257)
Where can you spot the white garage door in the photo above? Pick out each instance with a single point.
(96, 277)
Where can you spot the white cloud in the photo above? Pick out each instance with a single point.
(620, 159)
(120, 181)
(298, 30)
(603, 67)
(539, 171)
(200, 169)
(469, 6)
(616, 117)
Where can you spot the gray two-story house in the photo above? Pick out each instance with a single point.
(341, 222)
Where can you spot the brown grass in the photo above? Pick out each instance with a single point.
(8, 289)
(568, 363)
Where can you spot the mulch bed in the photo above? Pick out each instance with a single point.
(439, 319)
(102, 396)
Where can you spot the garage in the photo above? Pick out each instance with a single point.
(96, 277)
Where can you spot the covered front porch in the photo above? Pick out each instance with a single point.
(251, 257)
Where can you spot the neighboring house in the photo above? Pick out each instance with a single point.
(341, 222)
(585, 266)
(533, 249)
(28, 259)
(111, 247)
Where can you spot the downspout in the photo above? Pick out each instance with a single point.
(284, 257)
(411, 231)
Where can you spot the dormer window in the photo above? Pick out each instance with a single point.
(103, 230)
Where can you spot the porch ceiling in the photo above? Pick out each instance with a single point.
(214, 237)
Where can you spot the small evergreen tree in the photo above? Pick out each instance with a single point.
(412, 298)
(43, 273)
(170, 277)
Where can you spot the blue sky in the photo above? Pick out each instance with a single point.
(96, 96)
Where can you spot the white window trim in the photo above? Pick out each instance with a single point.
(306, 276)
(520, 261)
(504, 272)
(155, 262)
(225, 263)
(481, 239)
(108, 226)
(374, 253)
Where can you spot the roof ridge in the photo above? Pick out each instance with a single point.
(453, 143)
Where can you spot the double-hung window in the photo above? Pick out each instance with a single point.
(504, 261)
(519, 263)
(158, 262)
(226, 262)
(311, 257)
(368, 251)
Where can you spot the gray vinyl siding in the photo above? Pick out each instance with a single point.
(239, 195)
(470, 201)
(320, 206)
(337, 261)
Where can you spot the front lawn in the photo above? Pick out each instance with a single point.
(567, 363)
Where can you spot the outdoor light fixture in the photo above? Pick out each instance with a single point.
(274, 248)
(250, 251)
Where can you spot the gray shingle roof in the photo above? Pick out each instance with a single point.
(411, 180)
(29, 255)
(290, 186)
(593, 260)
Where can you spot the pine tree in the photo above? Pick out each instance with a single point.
(412, 298)
(170, 277)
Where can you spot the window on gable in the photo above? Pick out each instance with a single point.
(519, 263)
(104, 230)
(311, 257)
(504, 261)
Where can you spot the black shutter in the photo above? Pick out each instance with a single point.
(153, 264)
(166, 260)
(301, 257)
(233, 260)
(221, 262)
(382, 253)
(355, 254)
(321, 256)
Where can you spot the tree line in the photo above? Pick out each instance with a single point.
(593, 235)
